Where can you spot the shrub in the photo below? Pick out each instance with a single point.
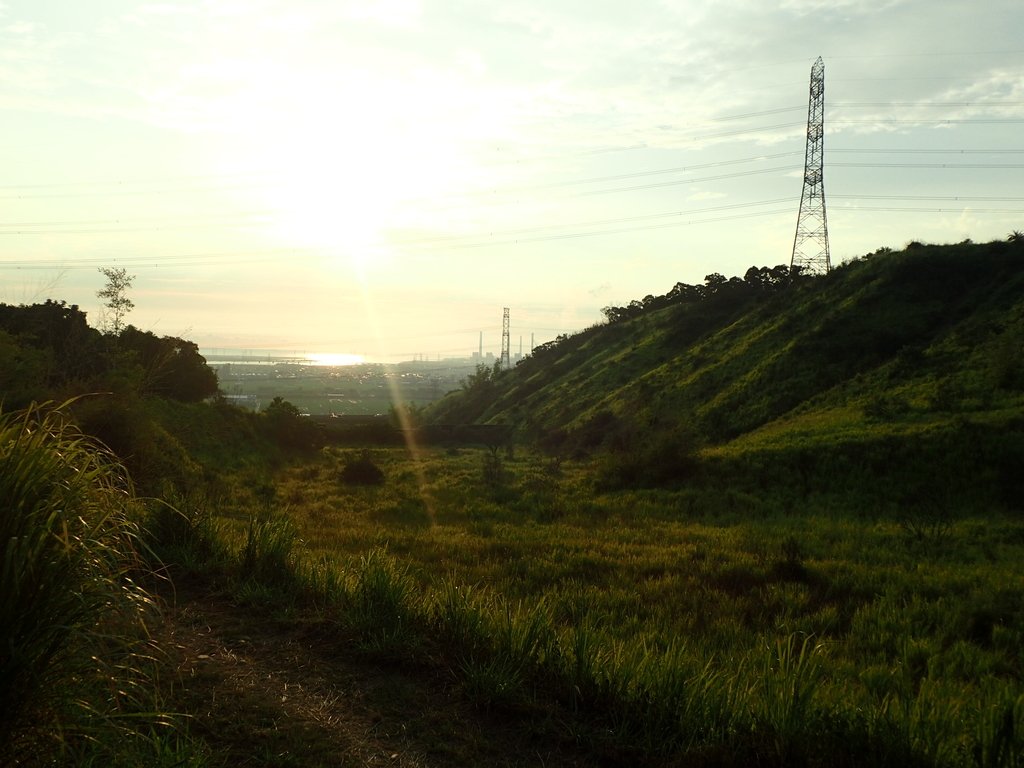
(152, 456)
(362, 471)
(667, 459)
(790, 563)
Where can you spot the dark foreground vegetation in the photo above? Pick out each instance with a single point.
(763, 521)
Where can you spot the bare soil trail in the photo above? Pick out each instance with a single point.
(263, 691)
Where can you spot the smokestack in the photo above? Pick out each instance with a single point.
(481, 345)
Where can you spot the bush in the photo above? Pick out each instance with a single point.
(668, 459)
(151, 454)
(362, 471)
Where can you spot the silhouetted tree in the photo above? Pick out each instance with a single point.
(713, 283)
(115, 297)
(171, 367)
(71, 348)
(22, 372)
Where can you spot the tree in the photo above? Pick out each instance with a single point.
(115, 297)
(482, 381)
(171, 367)
(713, 284)
(71, 348)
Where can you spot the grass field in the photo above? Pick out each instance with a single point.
(687, 619)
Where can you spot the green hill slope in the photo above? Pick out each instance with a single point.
(895, 347)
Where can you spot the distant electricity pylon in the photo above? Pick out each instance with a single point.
(810, 245)
(506, 358)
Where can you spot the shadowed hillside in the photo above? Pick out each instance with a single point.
(925, 342)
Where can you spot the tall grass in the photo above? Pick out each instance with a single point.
(384, 606)
(791, 672)
(655, 624)
(183, 532)
(72, 667)
(267, 554)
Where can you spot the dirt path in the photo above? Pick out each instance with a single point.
(264, 692)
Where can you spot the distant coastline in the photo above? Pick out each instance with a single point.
(224, 355)
(278, 357)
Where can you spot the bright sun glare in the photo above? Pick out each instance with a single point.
(331, 196)
(334, 358)
(329, 173)
(348, 164)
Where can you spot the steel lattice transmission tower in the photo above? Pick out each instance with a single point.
(506, 358)
(810, 246)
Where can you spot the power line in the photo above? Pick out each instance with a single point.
(267, 213)
(983, 198)
(504, 237)
(655, 172)
(930, 210)
(266, 217)
(234, 259)
(218, 182)
(475, 240)
(915, 150)
(574, 235)
(990, 166)
(720, 177)
(939, 121)
(256, 215)
(213, 182)
(923, 104)
(762, 113)
(149, 219)
(441, 239)
(926, 54)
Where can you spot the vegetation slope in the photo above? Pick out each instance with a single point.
(749, 612)
(904, 364)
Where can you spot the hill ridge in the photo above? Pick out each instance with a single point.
(895, 335)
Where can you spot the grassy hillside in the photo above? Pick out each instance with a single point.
(778, 523)
(917, 348)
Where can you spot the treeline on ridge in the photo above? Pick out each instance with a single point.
(757, 281)
(50, 350)
(151, 400)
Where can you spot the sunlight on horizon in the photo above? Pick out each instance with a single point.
(334, 359)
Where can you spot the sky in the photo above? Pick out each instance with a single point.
(382, 177)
